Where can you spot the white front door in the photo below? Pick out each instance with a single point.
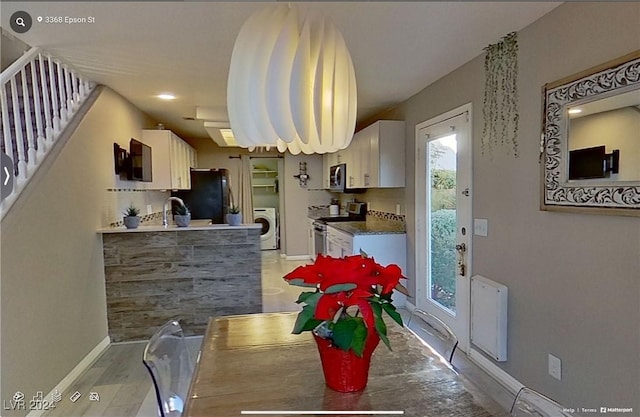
(443, 219)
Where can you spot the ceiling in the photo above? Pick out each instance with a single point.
(141, 49)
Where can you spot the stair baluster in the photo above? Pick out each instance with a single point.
(39, 95)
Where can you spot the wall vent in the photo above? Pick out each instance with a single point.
(489, 317)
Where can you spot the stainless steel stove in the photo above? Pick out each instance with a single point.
(355, 212)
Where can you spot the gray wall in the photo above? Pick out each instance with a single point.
(53, 292)
(296, 201)
(574, 280)
(12, 48)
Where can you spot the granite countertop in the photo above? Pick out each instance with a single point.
(372, 226)
(194, 225)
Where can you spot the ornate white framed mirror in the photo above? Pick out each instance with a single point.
(591, 140)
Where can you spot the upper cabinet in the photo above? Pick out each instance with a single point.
(328, 160)
(375, 157)
(172, 159)
(385, 164)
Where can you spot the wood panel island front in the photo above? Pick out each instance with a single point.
(153, 274)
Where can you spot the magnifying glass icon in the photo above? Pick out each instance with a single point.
(20, 21)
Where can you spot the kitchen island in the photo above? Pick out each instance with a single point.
(384, 241)
(154, 274)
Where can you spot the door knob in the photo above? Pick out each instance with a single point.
(461, 248)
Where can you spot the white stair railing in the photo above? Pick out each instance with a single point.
(39, 95)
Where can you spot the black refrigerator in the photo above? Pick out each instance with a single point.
(209, 194)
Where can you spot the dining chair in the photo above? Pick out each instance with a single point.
(167, 359)
(529, 402)
(436, 327)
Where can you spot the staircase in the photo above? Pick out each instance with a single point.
(39, 96)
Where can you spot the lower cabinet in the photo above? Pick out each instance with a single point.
(339, 243)
(311, 247)
(385, 249)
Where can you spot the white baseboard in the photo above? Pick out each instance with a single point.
(297, 257)
(75, 372)
(409, 306)
(498, 374)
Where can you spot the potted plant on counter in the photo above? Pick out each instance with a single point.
(182, 216)
(131, 219)
(234, 217)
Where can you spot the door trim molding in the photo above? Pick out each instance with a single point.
(467, 108)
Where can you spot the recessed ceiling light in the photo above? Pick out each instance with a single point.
(229, 138)
(575, 111)
(166, 96)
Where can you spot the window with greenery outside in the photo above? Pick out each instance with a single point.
(443, 233)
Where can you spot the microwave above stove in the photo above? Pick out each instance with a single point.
(338, 178)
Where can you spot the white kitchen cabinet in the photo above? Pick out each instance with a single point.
(384, 165)
(335, 246)
(311, 247)
(172, 159)
(384, 248)
(358, 160)
(339, 243)
(375, 157)
(328, 160)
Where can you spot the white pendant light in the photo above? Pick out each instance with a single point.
(291, 83)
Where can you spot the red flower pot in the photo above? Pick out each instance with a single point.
(344, 371)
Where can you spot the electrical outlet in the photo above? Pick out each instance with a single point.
(149, 209)
(555, 367)
(398, 209)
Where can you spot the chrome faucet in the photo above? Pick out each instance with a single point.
(165, 223)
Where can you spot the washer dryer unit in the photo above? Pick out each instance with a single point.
(266, 216)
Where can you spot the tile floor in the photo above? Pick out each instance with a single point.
(123, 383)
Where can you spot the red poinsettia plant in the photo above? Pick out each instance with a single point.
(349, 297)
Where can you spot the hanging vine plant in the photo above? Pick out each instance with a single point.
(500, 105)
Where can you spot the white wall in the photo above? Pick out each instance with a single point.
(53, 295)
(573, 279)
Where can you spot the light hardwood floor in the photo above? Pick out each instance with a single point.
(124, 386)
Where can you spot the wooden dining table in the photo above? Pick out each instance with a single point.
(252, 365)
